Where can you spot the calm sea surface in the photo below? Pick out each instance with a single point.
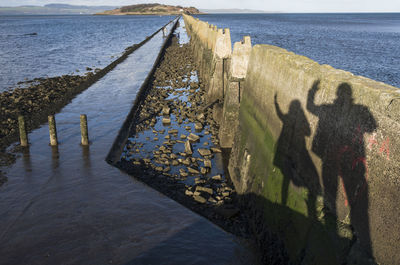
(364, 44)
(64, 44)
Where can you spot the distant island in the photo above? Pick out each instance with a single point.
(54, 9)
(151, 9)
(139, 9)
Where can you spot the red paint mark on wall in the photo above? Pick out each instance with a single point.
(351, 157)
(372, 141)
(385, 148)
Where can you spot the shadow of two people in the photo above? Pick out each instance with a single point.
(339, 143)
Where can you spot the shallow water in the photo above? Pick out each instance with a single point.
(154, 137)
(66, 205)
(64, 44)
(364, 44)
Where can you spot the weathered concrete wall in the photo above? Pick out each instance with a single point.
(315, 154)
(235, 75)
(320, 148)
(211, 47)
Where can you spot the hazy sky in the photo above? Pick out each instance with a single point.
(267, 5)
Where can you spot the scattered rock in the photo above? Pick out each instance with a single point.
(172, 168)
(188, 193)
(204, 152)
(207, 163)
(193, 137)
(199, 199)
(200, 117)
(217, 177)
(166, 111)
(193, 171)
(204, 189)
(216, 150)
(198, 126)
(188, 148)
(166, 121)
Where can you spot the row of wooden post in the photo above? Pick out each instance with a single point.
(53, 131)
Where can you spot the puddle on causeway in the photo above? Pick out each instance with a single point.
(145, 145)
(175, 137)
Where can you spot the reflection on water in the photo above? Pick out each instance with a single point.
(86, 156)
(26, 159)
(66, 205)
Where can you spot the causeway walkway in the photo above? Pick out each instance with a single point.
(68, 206)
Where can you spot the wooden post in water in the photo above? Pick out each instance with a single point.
(23, 136)
(84, 130)
(52, 130)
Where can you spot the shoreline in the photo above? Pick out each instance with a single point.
(59, 95)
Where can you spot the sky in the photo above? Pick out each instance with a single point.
(266, 5)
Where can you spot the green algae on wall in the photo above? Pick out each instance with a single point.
(306, 238)
(315, 155)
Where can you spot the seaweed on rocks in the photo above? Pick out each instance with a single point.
(36, 100)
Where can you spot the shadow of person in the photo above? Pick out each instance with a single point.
(292, 157)
(339, 142)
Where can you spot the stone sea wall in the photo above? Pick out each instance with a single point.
(315, 150)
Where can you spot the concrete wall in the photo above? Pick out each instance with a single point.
(211, 48)
(235, 75)
(316, 158)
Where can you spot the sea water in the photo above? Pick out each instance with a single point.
(364, 44)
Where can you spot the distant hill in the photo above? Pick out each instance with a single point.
(234, 11)
(54, 9)
(151, 9)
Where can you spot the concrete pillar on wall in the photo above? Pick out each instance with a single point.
(222, 50)
(237, 73)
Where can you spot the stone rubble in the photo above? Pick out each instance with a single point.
(180, 124)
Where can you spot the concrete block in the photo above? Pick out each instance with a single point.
(240, 58)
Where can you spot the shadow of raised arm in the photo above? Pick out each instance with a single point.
(311, 107)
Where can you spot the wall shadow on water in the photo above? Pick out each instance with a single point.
(339, 143)
(196, 243)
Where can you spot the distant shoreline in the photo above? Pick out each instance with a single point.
(141, 14)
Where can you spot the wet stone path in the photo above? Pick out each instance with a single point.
(174, 144)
